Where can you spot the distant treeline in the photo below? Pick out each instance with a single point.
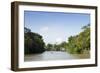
(76, 44)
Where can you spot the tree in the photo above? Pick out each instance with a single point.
(33, 43)
(26, 30)
(80, 42)
(49, 47)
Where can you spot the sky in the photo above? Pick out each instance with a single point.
(55, 27)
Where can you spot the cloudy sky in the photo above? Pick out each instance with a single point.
(55, 27)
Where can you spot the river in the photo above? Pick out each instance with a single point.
(50, 55)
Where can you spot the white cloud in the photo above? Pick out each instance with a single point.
(58, 40)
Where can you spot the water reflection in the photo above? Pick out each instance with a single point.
(49, 55)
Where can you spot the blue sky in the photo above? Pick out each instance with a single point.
(55, 27)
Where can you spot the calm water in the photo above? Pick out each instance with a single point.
(49, 55)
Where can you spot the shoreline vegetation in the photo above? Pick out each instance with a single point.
(77, 45)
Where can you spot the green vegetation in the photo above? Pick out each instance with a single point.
(56, 47)
(77, 44)
(33, 42)
(81, 42)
